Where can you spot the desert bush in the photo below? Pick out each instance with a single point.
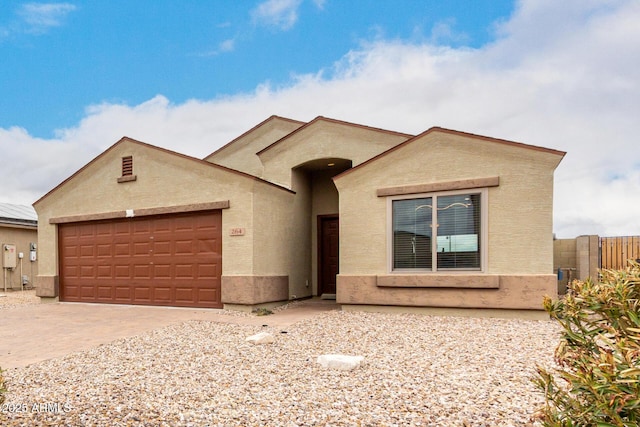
(597, 380)
(3, 387)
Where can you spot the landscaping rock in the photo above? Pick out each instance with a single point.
(261, 338)
(340, 361)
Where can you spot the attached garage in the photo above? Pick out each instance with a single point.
(318, 208)
(171, 260)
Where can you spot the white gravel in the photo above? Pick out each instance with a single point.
(13, 299)
(418, 370)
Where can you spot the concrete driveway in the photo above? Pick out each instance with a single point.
(34, 333)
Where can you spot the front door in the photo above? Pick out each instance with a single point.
(328, 240)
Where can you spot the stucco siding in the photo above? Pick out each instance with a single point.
(22, 237)
(324, 140)
(515, 292)
(241, 154)
(299, 226)
(272, 209)
(162, 180)
(519, 209)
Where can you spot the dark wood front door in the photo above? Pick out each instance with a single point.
(328, 246)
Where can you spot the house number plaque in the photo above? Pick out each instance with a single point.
(237, 232)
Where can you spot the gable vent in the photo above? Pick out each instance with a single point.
(127, 170)
(127, 166)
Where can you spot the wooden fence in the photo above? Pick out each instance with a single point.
(616, 251)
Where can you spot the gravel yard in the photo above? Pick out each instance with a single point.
(418, 370)
(13, 299)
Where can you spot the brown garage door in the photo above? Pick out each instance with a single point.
(173, 260)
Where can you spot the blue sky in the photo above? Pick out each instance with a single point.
(76, 76)
(59, 58)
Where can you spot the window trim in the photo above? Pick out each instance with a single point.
(484, 232)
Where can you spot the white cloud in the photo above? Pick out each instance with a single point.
(571, 87)
(227, 45)
(319, 3)
(224, 46)
(282, 14)
(39, 17)
(443, 32)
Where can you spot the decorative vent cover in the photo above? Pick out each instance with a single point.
(127, 166)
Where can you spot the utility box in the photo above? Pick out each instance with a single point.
(9, 256)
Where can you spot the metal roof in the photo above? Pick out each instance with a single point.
(21, 214)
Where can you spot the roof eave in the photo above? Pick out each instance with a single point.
(327, 119)
(453, 132)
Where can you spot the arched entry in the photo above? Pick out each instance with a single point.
(324, 221)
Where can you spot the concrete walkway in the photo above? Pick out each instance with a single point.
(34, 333)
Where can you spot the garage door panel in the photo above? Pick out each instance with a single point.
(140, 271)
(122, 294)
(162, 271)
(105, 293)
(184, 271)
(140, 227)
(70, 271)
(161, 248)
(87, 272)
(162, 296)
(87, 292)
(163, 260)
(121, 228)
(185, 294)
(121, 249)
(207, 271)
(141, 248)
(207, 246)
(142, 293)
(121, 272)
(184, 247)
(104, 250)
(72, 291)
(167, 222)
(70, 251)
(105, 272)
(208, 295)
(87, 232)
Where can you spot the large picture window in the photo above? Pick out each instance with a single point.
(437, 232)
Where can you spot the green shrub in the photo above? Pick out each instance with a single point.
(262, 311)
(599, 353)
(3, 387)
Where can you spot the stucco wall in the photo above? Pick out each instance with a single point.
(520, 208)
(519, 222)
(324, 139)
(22, 237)
(272, 234)
(587, 257)
(564, 258)
(241, 153)
(162, 179)
(299, 226)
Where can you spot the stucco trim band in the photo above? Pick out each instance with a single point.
(464, 281)
(517, 292)
(249, 290)
(452, 312)
(224, 204)
(462, 184)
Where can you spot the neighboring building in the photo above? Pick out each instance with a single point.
(18, 242)
(442, 220)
